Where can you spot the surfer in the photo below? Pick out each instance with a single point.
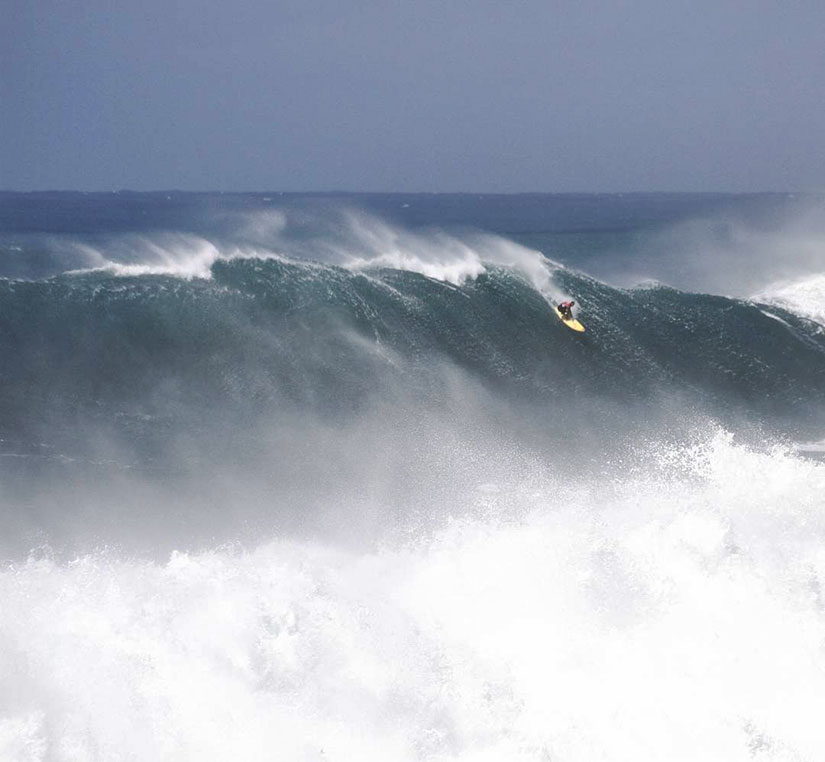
(566, 310)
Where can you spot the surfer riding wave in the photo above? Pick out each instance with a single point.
(566, 309)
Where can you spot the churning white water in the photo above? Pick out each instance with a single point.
(673, 614)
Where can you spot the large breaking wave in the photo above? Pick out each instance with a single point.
(324, 487)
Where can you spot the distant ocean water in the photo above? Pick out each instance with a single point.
(323, 476)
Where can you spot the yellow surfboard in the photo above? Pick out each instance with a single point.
(572, 323)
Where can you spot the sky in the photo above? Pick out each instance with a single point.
(412, 95)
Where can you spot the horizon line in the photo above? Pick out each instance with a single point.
(339, 192)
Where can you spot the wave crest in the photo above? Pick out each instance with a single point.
(804, 296)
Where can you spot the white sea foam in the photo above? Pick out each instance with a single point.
(677, 614)
(804, 296)
(178, 255)
(371, 243)
(346, 238)
(360, 241)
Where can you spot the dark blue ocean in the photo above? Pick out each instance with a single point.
(323, 476)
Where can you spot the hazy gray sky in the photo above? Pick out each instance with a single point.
(437, 95)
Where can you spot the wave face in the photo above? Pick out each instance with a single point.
(326, 477)
(278, 335)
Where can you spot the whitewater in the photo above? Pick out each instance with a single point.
(324, 477)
